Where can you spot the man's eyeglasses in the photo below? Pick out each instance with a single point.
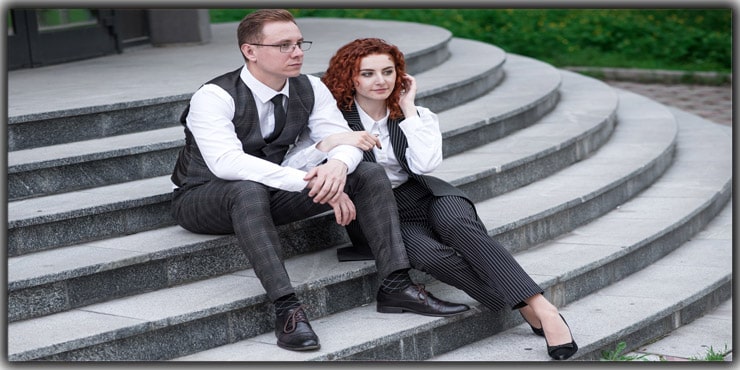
(288, 47)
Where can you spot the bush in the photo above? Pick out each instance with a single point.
(678, 39)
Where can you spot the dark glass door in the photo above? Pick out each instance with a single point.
(38, 37)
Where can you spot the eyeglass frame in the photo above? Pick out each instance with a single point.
(292, 47)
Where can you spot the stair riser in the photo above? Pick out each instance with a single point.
(77, 229)
(448, 97)
(426, 59)
(88, 174)
(82, 124)
(461, 140)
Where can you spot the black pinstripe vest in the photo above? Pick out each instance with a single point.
(190, 167)
(435, 185)
(360, 250)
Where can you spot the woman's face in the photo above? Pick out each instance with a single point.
(376, 78)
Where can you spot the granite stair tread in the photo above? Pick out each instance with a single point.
(545, 81)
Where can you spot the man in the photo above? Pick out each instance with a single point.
(228, 176)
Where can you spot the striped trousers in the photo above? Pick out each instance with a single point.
(252, 211)
(445, 238)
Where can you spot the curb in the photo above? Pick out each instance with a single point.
(655, 75)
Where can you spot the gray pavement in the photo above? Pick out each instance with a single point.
(173, 71)
(710, 102)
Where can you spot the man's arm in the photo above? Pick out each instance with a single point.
(327, 180)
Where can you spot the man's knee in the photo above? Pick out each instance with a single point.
(369, 170)
(369, 175)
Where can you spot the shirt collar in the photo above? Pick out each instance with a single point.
(263, 92)
(368, 121)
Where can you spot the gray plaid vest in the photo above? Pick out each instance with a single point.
(190, 167)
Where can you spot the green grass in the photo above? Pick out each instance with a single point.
(618, 355)
(673, 39)
(712, 355)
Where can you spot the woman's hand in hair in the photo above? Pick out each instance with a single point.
(408, 96)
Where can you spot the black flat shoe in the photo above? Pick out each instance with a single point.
(294, 332)
(537, 331)
(562, 351)
(417, 300)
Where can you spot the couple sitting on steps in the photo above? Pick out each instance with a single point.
(267, 145)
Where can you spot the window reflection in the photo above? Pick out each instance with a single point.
(11, 26)
(56, 19)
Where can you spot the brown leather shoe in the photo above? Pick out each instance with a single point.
(293, 331)
(417, 300)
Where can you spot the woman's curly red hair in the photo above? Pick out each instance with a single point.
(345, 65)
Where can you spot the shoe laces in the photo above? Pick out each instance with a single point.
(298, 315)
(422, 294)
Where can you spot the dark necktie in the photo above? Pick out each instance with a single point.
(277, 101)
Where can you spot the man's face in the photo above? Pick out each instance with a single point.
(267, 63)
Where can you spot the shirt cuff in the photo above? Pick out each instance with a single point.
(314, 156)
(294, 180)
(347, 160)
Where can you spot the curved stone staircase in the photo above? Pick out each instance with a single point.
(618, 206)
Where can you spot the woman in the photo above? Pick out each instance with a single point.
(441, 229)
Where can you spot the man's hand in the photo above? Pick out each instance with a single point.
(327, 181)
(344, 209)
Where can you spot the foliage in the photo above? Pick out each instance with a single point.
(617, 354)
(711, 355)
(679, 39)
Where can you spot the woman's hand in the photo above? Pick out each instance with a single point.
(360, 139)
(408, 96)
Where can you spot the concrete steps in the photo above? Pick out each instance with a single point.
(594, 190)
(135, 213)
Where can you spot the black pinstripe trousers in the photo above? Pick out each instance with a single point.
(445, 238)
(252, 211)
